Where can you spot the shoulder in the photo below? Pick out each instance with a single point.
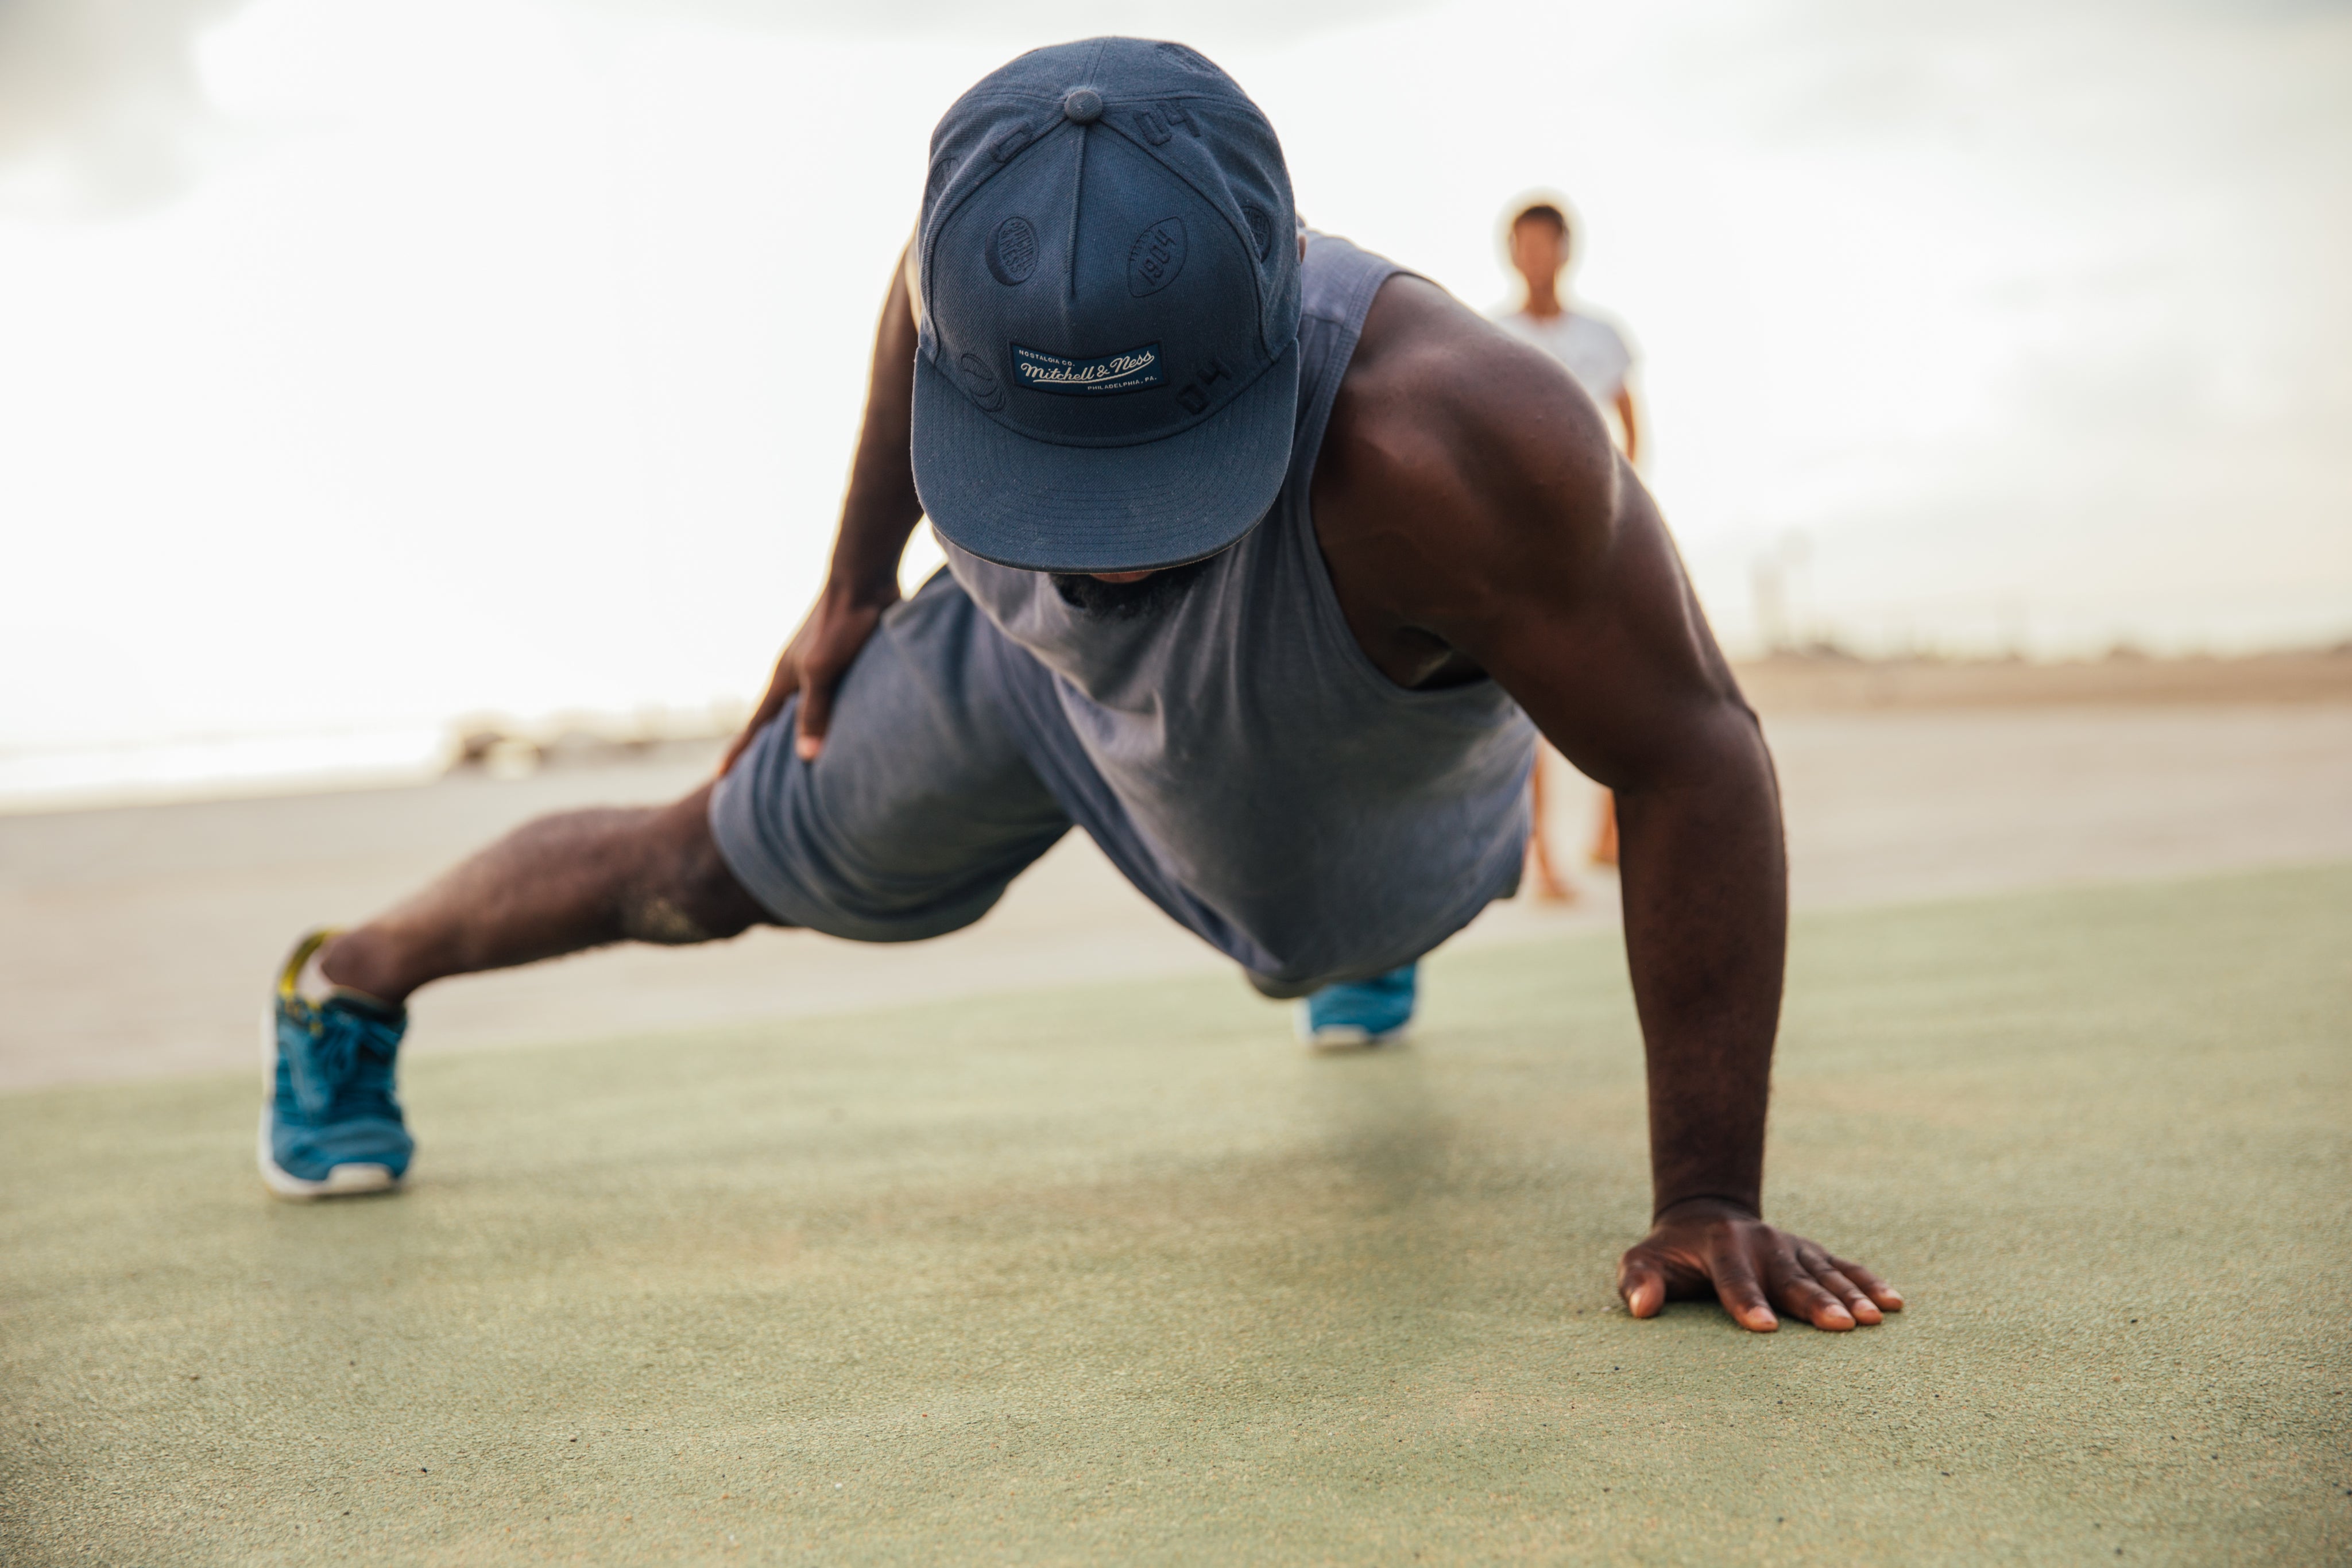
(1445, 426)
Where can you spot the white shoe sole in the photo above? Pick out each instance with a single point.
(342, 1181)
(1346, 1036)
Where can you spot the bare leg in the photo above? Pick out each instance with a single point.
(557, 885)
(1550, 887)
(1604, 837)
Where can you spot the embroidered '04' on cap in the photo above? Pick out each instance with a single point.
(1108, 374)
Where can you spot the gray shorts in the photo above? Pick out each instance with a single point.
(950, 766)
(923, 806)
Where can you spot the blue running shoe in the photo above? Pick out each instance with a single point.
(1362, 1012)
(330, 1126)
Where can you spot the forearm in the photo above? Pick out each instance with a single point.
(881, 507)
(1705, 898)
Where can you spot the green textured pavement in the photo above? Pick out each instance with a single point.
(1121, 1275)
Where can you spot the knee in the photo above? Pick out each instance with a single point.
(685, 893)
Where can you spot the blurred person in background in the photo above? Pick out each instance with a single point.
(1542, 248)
(1266, 562)
(1542, 244)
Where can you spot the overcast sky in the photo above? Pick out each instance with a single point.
(369, 363)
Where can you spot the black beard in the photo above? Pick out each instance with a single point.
(1155, 595)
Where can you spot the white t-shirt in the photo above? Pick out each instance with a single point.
(1593, 350)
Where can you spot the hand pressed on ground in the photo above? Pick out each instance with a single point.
(1706, 1247)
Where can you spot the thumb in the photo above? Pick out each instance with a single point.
(1643, 1284)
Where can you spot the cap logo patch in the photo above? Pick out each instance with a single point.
(1130, 371)
(1013, 252)
(1156, 257)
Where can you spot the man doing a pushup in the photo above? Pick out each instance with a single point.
(1267, 563)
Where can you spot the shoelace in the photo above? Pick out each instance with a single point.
(330, 1058)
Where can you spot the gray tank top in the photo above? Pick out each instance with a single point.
(1239, 756)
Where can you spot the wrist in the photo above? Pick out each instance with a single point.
(1707, 1205)
(853, 589)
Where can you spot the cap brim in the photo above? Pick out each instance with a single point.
(1041, 507)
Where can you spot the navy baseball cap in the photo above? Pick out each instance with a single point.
(1108, 370)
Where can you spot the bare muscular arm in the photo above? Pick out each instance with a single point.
(1476, 517)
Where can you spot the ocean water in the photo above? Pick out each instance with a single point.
(136, 772)
(371, 364)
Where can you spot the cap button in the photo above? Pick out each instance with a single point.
(1082, 105)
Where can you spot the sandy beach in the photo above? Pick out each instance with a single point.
(138, 941)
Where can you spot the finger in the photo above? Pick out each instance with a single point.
(1643, 1284)
(1797, 1293)
(815, 718)
(1826, 1273)
(1735, 1285)
(1848, 1295)
(1887, 1297)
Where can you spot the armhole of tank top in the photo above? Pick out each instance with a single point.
(1329, 616)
